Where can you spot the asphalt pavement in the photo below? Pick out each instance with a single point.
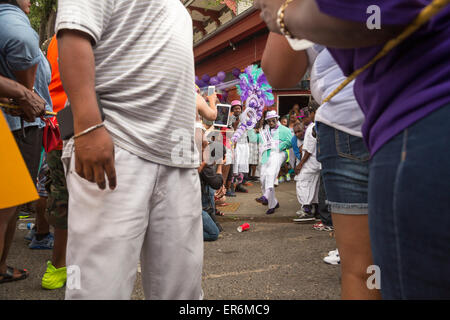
(275, 259)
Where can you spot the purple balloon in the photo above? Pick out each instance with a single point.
(206, 78)
(214, 81)
(201, 83)
(236, 72)
(221, 76)
(196, 79)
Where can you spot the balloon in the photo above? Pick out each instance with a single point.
(201, 83)
(206, 78)
(221, 76)
(236, 72)
(196, 79)
(214, 81)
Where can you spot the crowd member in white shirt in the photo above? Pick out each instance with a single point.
(307, 172)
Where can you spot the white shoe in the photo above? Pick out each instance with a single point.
(333, 252)
(333, 259)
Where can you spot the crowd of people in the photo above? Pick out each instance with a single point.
(144, 179)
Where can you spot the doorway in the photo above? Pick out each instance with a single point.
(286, 102)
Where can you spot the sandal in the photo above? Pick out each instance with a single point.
(218, 213)
(9, 275)
(222, 204)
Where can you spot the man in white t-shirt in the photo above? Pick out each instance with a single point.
(307, 172)
(137, 56)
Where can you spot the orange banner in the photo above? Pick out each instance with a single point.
(16, 185)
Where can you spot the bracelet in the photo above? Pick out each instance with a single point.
(280, 20)
(89, 130)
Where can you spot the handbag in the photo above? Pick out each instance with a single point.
(52, 135)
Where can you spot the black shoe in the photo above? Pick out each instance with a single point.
(240, 188)
(271, 211)
(262, 200)
(219, 226)
(277, 206)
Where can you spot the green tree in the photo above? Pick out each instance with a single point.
(42, 17)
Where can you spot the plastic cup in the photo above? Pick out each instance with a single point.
(243, 227)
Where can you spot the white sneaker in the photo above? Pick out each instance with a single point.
(333, 252)
(333, 259)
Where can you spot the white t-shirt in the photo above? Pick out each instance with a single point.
(144, 68)
(309, 145)
(342, 111)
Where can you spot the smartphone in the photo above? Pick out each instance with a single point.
(65, 120)
(211, 90)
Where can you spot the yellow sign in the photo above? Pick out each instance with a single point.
(16, 185)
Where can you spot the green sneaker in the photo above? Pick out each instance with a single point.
(54, 278)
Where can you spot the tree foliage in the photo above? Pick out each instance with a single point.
(42, 16)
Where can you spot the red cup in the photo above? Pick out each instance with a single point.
(243, 227)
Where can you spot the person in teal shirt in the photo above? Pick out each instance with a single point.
(274, 140)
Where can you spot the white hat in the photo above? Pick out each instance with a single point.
(272, 114)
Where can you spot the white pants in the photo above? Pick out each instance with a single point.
(269, 173)
(308, 188)
(240, 164)
(154, 214)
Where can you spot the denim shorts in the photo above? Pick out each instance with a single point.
(409, 213)
(345, 170)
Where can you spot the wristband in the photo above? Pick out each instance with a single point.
(89, 130)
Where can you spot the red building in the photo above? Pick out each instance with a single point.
(224, 40)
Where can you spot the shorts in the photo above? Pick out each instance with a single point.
(42, 177)
(58, 196)
(30, 147)
(253, 158)
(345, 170)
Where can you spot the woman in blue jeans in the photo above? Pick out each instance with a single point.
(343, 155)
(405, 97)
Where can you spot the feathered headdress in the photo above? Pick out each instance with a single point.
(257, 93)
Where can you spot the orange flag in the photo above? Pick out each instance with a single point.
(16, 185)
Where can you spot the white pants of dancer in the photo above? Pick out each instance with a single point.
(307, 187)
(269, 173)
(154, 215)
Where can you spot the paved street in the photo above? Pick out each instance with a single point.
(274, 259)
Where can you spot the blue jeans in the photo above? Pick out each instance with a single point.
(210, 229)
(409, 210)
(345, 170)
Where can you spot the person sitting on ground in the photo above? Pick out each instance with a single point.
(211, 180)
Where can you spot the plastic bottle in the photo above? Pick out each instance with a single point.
(26, 226)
